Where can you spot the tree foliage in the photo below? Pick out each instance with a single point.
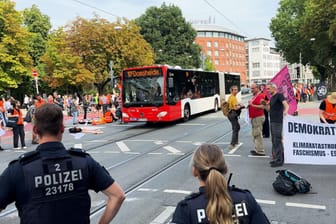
(98, 42)
(170, 35)
(39, 26)
(62, 68)
(14, 47)
(307, 27)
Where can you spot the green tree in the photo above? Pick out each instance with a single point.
(320, 24)
(170, 35)
(15, 62)
(306, 27)
(39, 26)
(98, 42)
(63, 70)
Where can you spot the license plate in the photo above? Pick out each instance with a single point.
(142, 119)
(133, 119)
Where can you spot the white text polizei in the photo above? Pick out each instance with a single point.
(58, 178)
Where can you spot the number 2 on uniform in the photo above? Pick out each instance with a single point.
(57, 167)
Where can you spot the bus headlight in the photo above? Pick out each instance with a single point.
(124, 115)
(162, 114)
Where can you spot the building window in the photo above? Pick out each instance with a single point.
(208, 34)
(215, 34)
(208, 44)
(255, 49)
(209, 53)
(215, 44)
(216, 62)
(216, 53)
(256, 65)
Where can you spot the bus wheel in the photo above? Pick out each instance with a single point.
(186, 113)
(216, 105)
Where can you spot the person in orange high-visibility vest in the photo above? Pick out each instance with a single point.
(38, 102)
(328, 109)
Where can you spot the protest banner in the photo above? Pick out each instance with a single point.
(307, 142)
(283, 81)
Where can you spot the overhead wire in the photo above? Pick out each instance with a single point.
(94, 7)
(222, 14)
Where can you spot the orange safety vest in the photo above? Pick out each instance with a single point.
(18, 112)
(330, 111)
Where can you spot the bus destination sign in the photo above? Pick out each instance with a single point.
(147, 72)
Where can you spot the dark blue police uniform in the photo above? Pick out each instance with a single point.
(191, 210)
(50, 185)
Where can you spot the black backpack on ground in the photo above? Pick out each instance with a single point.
(289, 183)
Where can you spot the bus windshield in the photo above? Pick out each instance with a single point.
(142, 90)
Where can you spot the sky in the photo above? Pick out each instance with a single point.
(250, 18)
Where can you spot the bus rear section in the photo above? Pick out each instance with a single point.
(163, 93)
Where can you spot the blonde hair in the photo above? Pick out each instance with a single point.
(209, 161)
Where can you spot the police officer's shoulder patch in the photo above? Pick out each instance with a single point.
(29, 156)
(77, 152)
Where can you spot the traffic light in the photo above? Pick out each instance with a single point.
(298, 72)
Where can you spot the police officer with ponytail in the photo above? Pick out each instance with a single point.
(51, 184)
(216, 203)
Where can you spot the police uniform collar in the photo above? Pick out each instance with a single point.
(202, 190)
(50, 146)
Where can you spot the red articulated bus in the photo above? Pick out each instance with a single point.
(162, 93)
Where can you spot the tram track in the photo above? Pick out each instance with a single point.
(163, 169)
(120, 137)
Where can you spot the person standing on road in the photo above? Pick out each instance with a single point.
(265, 129)
(216, 202)
(277, 107)
(54, 182)
(38, 102)
(256, 114)
(18, 130)
(234, 113)
(328, 109)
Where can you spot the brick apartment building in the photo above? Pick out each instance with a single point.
(225, 47)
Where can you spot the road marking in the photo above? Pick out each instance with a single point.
(147, 189)
(135, 153)
(172, 149)
(301, 205)
(269, 202)
(177, 191)
(258, 156)
(197, 143)
(232, 155)
(111, 152)
(155, 153)
(190, 124)
(78, 146)
(123, 147)
(184, 141)
(235, 148)
(160, 219)
(99, 140)
(158, 142)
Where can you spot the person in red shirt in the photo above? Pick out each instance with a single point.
(18, 130)
(256, 114)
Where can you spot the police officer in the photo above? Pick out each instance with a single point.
(216, 202)
(50, 184)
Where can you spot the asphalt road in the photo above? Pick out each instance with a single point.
(152, 164)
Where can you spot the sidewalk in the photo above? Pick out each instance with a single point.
(309, 110)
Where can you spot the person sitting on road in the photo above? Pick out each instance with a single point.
(216, 203)
(51, 184)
